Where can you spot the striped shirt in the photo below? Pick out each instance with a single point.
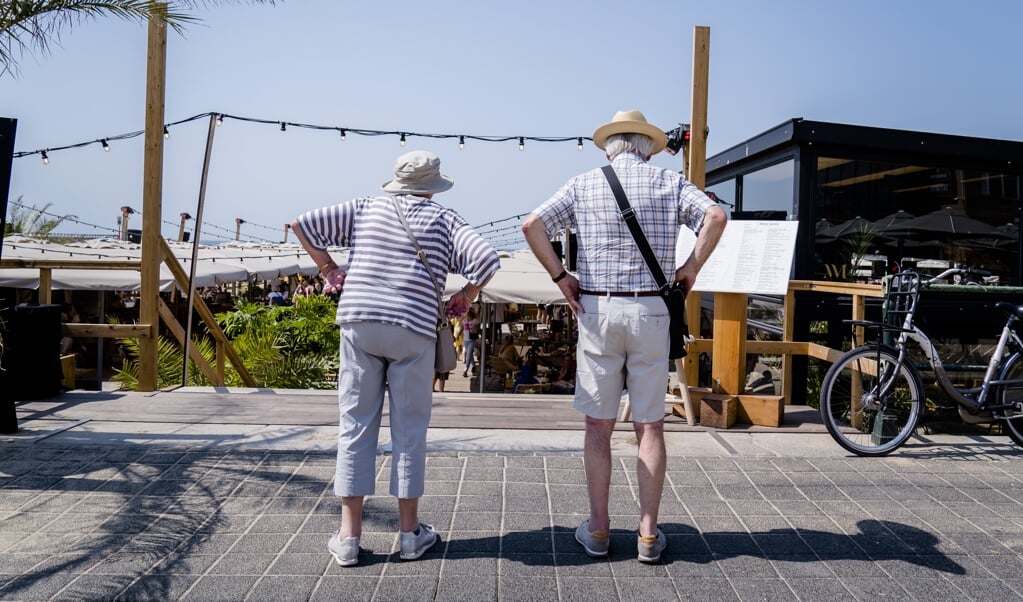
(608, 257)
(385, 281)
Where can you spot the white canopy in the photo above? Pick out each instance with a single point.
(220, 264)
(521, 279)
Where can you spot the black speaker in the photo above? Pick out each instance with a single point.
(33, 346)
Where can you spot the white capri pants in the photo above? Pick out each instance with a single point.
(623, 343)
(375, 356)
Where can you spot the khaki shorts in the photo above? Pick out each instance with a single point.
(623, 345)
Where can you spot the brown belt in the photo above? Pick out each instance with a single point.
(620, 293)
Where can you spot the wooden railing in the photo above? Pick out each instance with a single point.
(788, 347)
(141, 331)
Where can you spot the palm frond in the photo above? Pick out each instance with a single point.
(36, 25)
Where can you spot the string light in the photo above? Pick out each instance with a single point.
(46, 158)
(341, 132)
(580, 144)
(166, 133)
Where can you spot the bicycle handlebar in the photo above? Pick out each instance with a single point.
(969, 273)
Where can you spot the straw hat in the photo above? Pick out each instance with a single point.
(417, 172)
(630, 122)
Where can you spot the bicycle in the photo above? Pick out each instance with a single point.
(872, 396)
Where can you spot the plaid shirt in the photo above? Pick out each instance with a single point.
(608, 257)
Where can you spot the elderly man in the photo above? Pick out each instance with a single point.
(623, 321)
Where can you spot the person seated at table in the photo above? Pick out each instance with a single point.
(565, 383)
(526, 377)
(508, 358)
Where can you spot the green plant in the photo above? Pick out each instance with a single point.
(170, 358)
(284, 347)
(27, 25)
(32, 221)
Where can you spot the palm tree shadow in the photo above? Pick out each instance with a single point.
(150, 513)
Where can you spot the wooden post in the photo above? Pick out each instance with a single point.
(181, 228)
(152, 199)
(695, 167)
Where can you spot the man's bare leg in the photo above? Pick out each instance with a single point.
(597, 462)
(651, 461)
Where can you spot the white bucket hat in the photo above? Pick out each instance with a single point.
(630, 122)
(417, 172)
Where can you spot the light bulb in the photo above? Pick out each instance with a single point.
(522, 144)
(284, 127)
(342, 135)
(220, 119)
(106, 146)
(46, 158)
(580, 141)
(166, 133)
(402, 140)
(461, 142)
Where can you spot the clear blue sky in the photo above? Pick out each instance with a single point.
(525, 68)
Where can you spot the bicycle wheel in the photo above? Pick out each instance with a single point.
(858, 415)
(1014, 415)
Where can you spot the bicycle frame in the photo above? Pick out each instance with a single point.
(975, 398)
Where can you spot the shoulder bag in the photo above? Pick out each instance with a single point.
(444, 359)
(672, 294)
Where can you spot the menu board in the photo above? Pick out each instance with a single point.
(751, 257)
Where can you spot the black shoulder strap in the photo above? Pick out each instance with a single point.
(629, 215)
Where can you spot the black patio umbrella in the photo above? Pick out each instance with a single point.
(947, 222)
(892, 221)
(856, 225)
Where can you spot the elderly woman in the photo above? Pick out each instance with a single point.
(388, 316)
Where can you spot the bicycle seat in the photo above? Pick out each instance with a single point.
(1010, 308)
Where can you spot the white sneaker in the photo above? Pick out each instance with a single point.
(413, 546)
(345, 552)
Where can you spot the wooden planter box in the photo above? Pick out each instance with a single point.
(718, 411)
(761, 410)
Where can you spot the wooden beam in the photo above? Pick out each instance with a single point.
(728, 368)
(70, 264)
(694, 165)
(45, 286)
(207, 316)
(788, 334)
(105, 331)
(179, 333)
(152, 197)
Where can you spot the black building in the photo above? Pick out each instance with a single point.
(871, 200)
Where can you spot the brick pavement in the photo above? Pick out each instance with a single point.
(155, 522)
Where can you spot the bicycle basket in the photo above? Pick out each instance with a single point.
(899, 305)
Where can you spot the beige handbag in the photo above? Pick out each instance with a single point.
(444, 360)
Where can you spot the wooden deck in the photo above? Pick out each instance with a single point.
(198, 405)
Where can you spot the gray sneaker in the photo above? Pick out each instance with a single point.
(345, 553)
(413, 546)
(650, 547)
(595, 543)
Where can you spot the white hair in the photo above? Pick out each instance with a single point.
(629, 143)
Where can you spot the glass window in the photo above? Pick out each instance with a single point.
(875, 215)
(769, 189)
